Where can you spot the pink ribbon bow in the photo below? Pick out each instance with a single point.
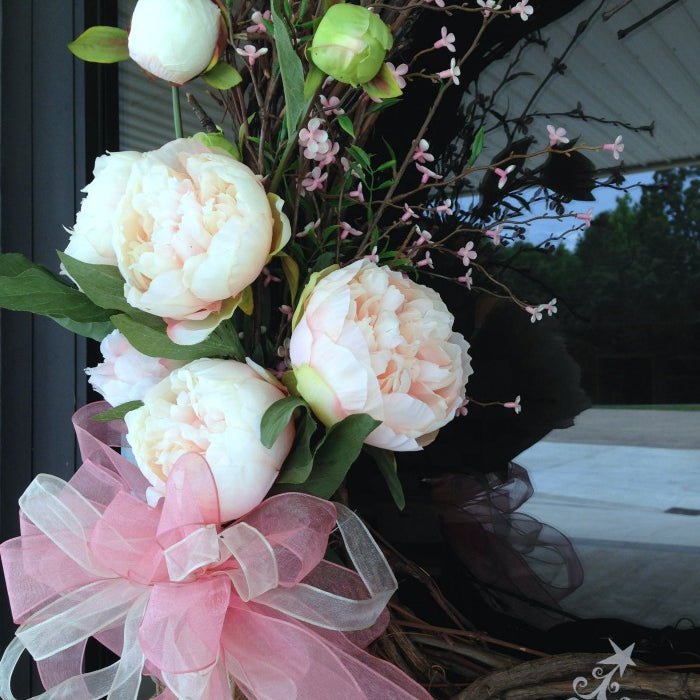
(179, 597)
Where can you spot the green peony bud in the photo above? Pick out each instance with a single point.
(350, 44)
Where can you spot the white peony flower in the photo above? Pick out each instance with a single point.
(372, 341)
(212, 408)
(174, 39)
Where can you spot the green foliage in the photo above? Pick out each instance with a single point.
(118, 412)
(222, 76)
(101, 45)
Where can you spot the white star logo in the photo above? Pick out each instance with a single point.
(621, 658)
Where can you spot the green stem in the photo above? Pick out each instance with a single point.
(177, 116)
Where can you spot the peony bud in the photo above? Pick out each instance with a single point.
(175, 40)
(350, 44)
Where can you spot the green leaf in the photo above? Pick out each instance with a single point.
(291, 272)
(276, 419)
(298, 466)
(346, 125)
(336, 453)
(292, 74)
(386, 462)
(118, 412)
(26, 286)
(149, 337)
(102, 284)
(362, 157)
(222, 76)
(218, 140)
(386, 166)
(477, 146)
(101, 45)
(383, 86)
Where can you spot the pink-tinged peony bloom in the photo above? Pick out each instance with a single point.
(212, 408)
(398, 72)
(489, 6)
(503, 175)
(314, 180)
(421, 155)
(586, 217)
(467, 253)
(446, 40)
(126, 374)
(453, 72)
(615, 148)
(557, 135)
(515, 405)
(175, 40)
(188, 226)
(370, 340)
(523, 9)
(251, 54)
(258, 27)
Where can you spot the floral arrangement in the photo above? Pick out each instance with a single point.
(259, 291)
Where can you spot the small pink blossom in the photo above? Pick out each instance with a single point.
(467, 253)
(356, 169)
(330, 104)
(616, 148)
(586, 217)
(462, 408)
(408, 213)
(329, 155)
(287, 311)
(426, 173)
(550, 307)
(347, 230)
(453, 72)
(557, 135)
(251, 53)
(398, 72)
(523, 9)
(373, 257)
(439, 3)
(257, 18)
(311, 226)
(515, 405)
(494, 234)
(268, 277)
(423, 237)
(314, 180)
(446, 40)
(535, 313)
(314, 139)
(488, 6)
(426, 261)
(503, 175)
(445, 207)
(466, 279)
(357, 194)
(421, 152)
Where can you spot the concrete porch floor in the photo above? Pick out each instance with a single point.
(624, 486)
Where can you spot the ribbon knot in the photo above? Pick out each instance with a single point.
(178, 596)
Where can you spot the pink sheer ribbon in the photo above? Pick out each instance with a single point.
(178, 596)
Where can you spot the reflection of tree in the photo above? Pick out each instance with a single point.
(631, 286)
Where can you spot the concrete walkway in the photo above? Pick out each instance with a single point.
(624, 486)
